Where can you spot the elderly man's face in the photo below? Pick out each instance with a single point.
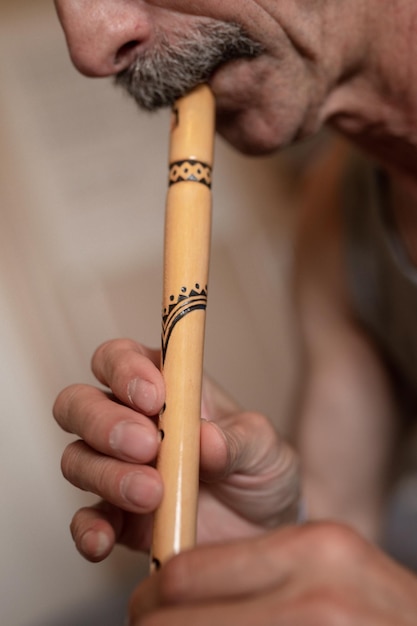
(257, 55)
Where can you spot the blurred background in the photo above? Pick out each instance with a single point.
(82, 191)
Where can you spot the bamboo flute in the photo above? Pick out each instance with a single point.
(186, 266)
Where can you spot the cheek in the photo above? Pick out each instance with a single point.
(217, 9)
(248, 13)
(266, 106)
(255, 133)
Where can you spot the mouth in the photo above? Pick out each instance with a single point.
(170, 69)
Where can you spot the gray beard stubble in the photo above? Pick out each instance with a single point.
(170, 69)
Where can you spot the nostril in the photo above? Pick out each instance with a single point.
(126, 52)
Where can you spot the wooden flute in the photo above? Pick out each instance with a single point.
(186, 266)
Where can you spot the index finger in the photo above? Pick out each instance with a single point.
(216, 572)
(132, 372)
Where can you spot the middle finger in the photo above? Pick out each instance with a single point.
(135, 488)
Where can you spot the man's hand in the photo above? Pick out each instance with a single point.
(320, 574)
(249, 476)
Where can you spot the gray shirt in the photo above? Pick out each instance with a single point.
(383, 280)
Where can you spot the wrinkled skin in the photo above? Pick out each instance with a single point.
(317, 575)
(249, 475)
(318, 63)
(349, 64)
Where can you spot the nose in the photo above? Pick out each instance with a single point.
(103, 36)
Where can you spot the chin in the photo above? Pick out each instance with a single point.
(252, 135)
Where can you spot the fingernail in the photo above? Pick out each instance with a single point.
(139, 489)
(133, 441)
(142, 394)
(95, 544)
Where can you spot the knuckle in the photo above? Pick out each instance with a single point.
(62, 404)
(260, 431)
(108, 349)
(70, 460)
(257, 421)
(328, 543)
(335, 542)
(90, 471)
(75, 526)
(99, 354)
(80, 411)
(117, 361)
(79, 522)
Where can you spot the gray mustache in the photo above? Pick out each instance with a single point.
(170, 69)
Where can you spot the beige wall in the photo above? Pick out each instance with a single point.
(82, 187)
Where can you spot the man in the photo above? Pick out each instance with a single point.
(279, 70)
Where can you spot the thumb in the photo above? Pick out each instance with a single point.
(244, 443)
(250, 468)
